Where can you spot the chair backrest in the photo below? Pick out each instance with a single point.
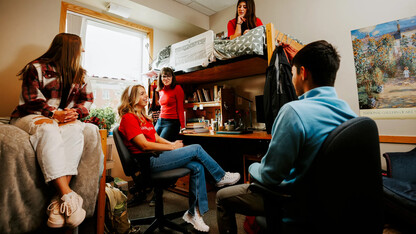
(130, 165)
(344, 185)
(401, 165)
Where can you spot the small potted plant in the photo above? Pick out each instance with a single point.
(104, 118)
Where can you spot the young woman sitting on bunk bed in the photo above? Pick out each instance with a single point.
(245, 19)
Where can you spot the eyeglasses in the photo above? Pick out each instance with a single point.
(166, 77)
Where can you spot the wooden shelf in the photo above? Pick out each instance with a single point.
(398, 139)
(232, 70)
(203, 104)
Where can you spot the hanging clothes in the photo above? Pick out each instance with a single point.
(154, 109)
(290, 51)
(278, 89)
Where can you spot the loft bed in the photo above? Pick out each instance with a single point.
(218, 64)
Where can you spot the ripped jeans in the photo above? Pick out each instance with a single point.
(58, 148)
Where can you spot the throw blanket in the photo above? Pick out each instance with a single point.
(24, 195)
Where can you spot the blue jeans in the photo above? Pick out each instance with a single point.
(168, 128)
(196, 159)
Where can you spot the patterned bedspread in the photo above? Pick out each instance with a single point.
(252, 43)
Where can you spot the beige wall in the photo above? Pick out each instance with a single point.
(331, 20)
(27, 28)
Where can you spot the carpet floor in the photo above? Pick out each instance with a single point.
(174, 202)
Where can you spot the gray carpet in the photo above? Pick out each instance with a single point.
(174, 202)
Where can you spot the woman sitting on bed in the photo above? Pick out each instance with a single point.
(55, 96)
(140, 136)
(245, 19)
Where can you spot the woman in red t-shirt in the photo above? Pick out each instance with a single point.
(245, 19)
(171, 98)
(140, 136)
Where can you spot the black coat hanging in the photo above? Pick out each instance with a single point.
(278, 89)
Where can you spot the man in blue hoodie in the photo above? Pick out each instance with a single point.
(298, 132)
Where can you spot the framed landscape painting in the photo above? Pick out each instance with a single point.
(385, 67)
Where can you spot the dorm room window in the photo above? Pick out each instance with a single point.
(115, 57)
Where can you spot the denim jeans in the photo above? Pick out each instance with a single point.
(196, 159)
(168, 128)
(58, 148)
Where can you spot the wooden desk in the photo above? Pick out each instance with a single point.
(232, 151)
(261, 135)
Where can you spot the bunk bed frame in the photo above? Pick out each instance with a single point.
(239, 67)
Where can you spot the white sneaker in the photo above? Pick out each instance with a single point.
(71, 207)
(229, 179)
(56, 218)
(196, 221)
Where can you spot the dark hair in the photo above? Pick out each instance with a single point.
(167, 71)
(250, 15)
(64, 54)
(321, 59)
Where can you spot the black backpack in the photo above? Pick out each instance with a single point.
(278, 89)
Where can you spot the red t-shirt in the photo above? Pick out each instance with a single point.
(171, 103)
(232, 23)
(131, 126)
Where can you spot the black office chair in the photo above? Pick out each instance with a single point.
(341, 192)
(160, 180)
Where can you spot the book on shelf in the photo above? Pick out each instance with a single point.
(195, 97)
(206, 95)
(215, 91)
(200, 98)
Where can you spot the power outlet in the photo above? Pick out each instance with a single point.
(239, 100)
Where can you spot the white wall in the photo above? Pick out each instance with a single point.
(332, 20)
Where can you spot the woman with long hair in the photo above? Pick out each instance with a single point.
(55, 95)
(171, 98)
(245, 19)
(140, 136)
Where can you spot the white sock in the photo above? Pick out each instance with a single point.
(68, 195)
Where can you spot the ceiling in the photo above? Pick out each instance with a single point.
(207, 7)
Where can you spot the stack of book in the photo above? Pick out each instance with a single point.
(197, 127)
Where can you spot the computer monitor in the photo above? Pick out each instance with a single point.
(260, 109)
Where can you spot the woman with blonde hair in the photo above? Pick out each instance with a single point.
(140, 136)
(55, 95)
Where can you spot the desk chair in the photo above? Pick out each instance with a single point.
(159, 180)
(341, 192)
